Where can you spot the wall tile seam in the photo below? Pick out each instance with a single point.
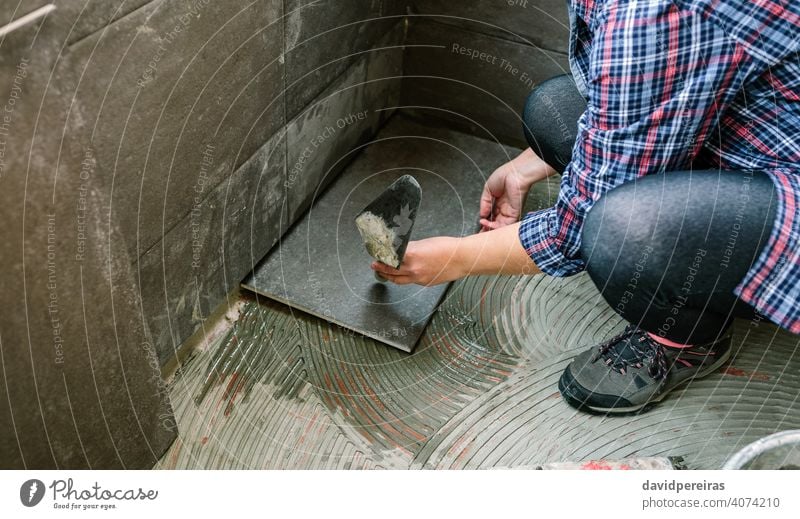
(400, 18)
(337, 77)
(283, 129)
(213, 189)
(116, 19)
(516, 39)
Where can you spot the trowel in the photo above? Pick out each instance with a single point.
(386, 223)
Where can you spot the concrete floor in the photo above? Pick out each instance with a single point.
(275, 388)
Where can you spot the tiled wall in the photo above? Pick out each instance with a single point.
(240, 111)
(210, 120)
(81, 385)
(202, 113)
(473, 63)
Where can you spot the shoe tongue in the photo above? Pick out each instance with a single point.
(628, 351)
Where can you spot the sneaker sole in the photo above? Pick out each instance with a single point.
(638, 409)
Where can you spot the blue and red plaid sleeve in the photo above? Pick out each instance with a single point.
(658, 79)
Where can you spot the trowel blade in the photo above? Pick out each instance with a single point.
(386, 223)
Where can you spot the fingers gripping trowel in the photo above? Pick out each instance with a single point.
(385, 224)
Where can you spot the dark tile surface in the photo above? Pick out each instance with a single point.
(159, 85)
(80, 385)
(481, 93)
(321, 266)
(91, 16)
(346, 114)
(325, 37)
(186, 275)
(539, 22)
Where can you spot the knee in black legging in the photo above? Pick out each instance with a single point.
(616, 238)
(628, 263)
(666, 251)
(550, 119)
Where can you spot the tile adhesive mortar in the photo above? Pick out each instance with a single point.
(285, 390)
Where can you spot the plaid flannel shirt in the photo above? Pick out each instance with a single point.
(671, 81)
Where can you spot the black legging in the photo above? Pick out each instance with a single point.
(666, 250)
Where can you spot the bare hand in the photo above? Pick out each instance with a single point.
(506, 189)
(427, 262)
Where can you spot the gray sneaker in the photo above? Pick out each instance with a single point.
(631, 372)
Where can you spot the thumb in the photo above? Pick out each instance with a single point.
(494, 188)
(486, 202)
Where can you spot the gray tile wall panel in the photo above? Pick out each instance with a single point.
(474, 81)
(325, 37)
(537, 22)
(160, 85)
(343, 116)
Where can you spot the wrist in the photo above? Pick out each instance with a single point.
(530, 168)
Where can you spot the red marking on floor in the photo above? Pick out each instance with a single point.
(595, 465)
(755, 375)
(230, 385)
(233, 388)
(175, 451)
(604, 465)
(311, 423)
(463, 453)
(332, 398)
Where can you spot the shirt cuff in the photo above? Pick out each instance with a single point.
(536, 233)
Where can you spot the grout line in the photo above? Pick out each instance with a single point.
(287, 224)
(515, 38)
(348, 57)
(109, 23)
